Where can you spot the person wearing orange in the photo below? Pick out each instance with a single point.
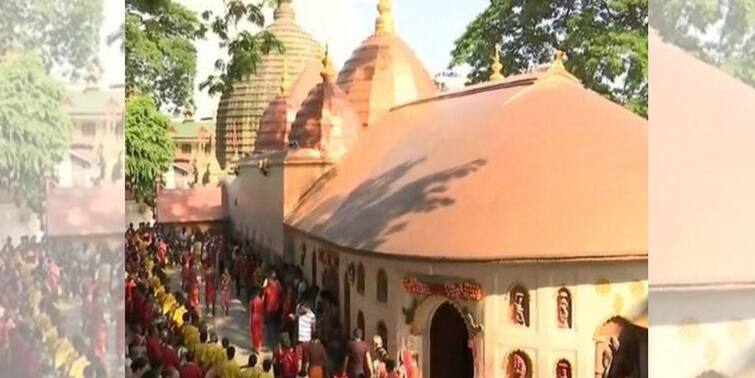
(194, 293)
(257, 321)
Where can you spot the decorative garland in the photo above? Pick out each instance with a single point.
(464, 290)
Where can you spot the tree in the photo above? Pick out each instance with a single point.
(34, 129)
(64, 33)
(149, 148)
(244, 48)
(160, 55)
(721, 32)
(605, 41)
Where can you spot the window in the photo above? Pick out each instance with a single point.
(382, 286)
(382, 331)
(519, 365)
(360, 321)
(360, 279)
(185, 148)
(563, 368)
(564, 308)
(519, 306)
(88, 128)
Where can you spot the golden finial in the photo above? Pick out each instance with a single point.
(285, 84)
(384, 24)
(328, 72)
(557, 68)
(495, 69)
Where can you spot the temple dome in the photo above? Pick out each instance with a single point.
(384, 72)
(528, 168)
(275, 126)
(240, 110)
(327, 120)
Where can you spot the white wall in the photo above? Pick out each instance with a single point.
(623, 292)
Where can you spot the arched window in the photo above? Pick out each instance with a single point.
(519, 306)
(563, 368)
(360, 320)
(360, 279)
(382, 286)
(519, 365)
(564, 308)
(382, 331)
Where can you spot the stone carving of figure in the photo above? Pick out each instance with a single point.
(520, 306)
(518, 367)
(564, 309)
(563, 369)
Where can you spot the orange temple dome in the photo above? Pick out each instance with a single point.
(275, 127)
(383, 72)
(327, 120)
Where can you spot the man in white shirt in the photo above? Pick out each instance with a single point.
(307, 320)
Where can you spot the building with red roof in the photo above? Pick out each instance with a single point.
(495, 228)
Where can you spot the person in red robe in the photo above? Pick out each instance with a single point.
(194, 293)
(53, 278)
(225, 291)
(162, 250)
(257, 321)
(272, 294)
(210, 289)
(189, 368)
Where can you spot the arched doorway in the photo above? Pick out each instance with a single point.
(450, 356)
(347, 302)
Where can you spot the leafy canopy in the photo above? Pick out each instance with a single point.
(245, 50)
(721, 32)
(64, 33)
(605, 40)
(34, 129)
(160, 55)
(149, 147)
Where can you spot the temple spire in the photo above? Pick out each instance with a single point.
(284, 10)
(328, 72)
(496, 67)
(384, 24)
(285, 84)
(557, 69)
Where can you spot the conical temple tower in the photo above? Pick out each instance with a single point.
(240, 110)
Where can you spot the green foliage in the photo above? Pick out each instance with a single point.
(34, 129)
(244, 49)
(149, 147)
(64, 33)
(605, 40)
(721, 32)
(160, 54)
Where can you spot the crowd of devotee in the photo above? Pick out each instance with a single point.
(59, 304)
(179, 280)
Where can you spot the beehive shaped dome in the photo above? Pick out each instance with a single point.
(384, 72)
(327, 121)
(275, 126)
(240, 110)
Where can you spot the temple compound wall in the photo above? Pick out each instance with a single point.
(549, 316)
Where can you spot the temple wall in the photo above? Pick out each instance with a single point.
(710, 330)
(256, 210)
(599, 291)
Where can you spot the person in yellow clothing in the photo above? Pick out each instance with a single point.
(231, 369)
(251, 370)
(76, 369)
(64, 353)
(217, 361)
(267, 369)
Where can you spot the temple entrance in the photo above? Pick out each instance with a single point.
(450, 356)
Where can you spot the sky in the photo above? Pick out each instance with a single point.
(430, 27)
(111, 57)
